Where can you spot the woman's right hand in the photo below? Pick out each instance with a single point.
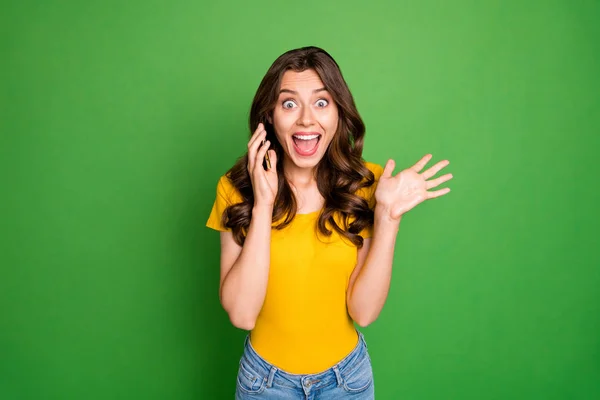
(264, 182)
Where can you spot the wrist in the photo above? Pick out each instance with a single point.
(262, 208)
(383, 215)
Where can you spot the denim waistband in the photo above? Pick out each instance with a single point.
(267, 369)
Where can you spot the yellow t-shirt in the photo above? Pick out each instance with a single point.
(304, 326)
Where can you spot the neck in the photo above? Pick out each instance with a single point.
(300, 177)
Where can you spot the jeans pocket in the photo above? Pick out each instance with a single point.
(359, 376)
(250, 381)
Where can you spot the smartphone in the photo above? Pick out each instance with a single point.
(267, 161)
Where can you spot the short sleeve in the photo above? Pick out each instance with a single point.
(226, 196)
(369, 194)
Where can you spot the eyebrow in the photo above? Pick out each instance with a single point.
(294, 92)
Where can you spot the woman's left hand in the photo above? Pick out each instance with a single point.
(401, 193)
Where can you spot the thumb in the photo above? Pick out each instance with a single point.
(389, 168)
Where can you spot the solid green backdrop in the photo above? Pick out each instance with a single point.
(118, 118)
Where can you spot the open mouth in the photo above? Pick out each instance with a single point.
(306, 144)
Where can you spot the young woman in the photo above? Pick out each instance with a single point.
(308, 230)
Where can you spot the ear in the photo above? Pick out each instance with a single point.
(269, 119)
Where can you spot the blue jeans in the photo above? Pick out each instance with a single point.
(351, 378)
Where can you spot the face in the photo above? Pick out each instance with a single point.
(305, 119)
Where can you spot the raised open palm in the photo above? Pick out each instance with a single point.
(410, 187)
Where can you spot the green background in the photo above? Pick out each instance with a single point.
(117, 119)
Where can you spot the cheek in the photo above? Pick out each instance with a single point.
(280, 137)
(280, 125)
(284, 124)
(330, 121)
(282, 120)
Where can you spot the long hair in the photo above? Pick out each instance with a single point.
(340, 173)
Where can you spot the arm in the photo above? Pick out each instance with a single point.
(245, 270)
(370, 281)
(395, 195)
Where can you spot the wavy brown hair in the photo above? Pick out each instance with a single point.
(339, 174)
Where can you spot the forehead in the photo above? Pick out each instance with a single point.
(308, 79)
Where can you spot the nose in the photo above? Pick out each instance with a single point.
(306, 117)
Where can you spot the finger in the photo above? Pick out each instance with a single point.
(438, 181)
(421, 163)
(437, 193)
(435, 169)
(250, 164)
(256, 135)
(253, 155)
(260, 154)
(389, 169)
(255, 146)
(260, 127)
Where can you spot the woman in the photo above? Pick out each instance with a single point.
(308, 230)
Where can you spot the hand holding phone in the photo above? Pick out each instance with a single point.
(264, 180)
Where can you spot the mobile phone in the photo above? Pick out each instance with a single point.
(267, 159)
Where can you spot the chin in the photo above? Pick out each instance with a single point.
(303, 162)
(306, 164)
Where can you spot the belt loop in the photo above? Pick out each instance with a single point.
(271, 375)
(338, 376)
(363, 340)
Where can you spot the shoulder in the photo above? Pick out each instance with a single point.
(376, 169)
(227, 191)
(368, 192)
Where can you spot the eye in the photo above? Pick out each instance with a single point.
(288, 104)
(322, 103)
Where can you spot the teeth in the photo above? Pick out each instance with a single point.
(306, 137)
